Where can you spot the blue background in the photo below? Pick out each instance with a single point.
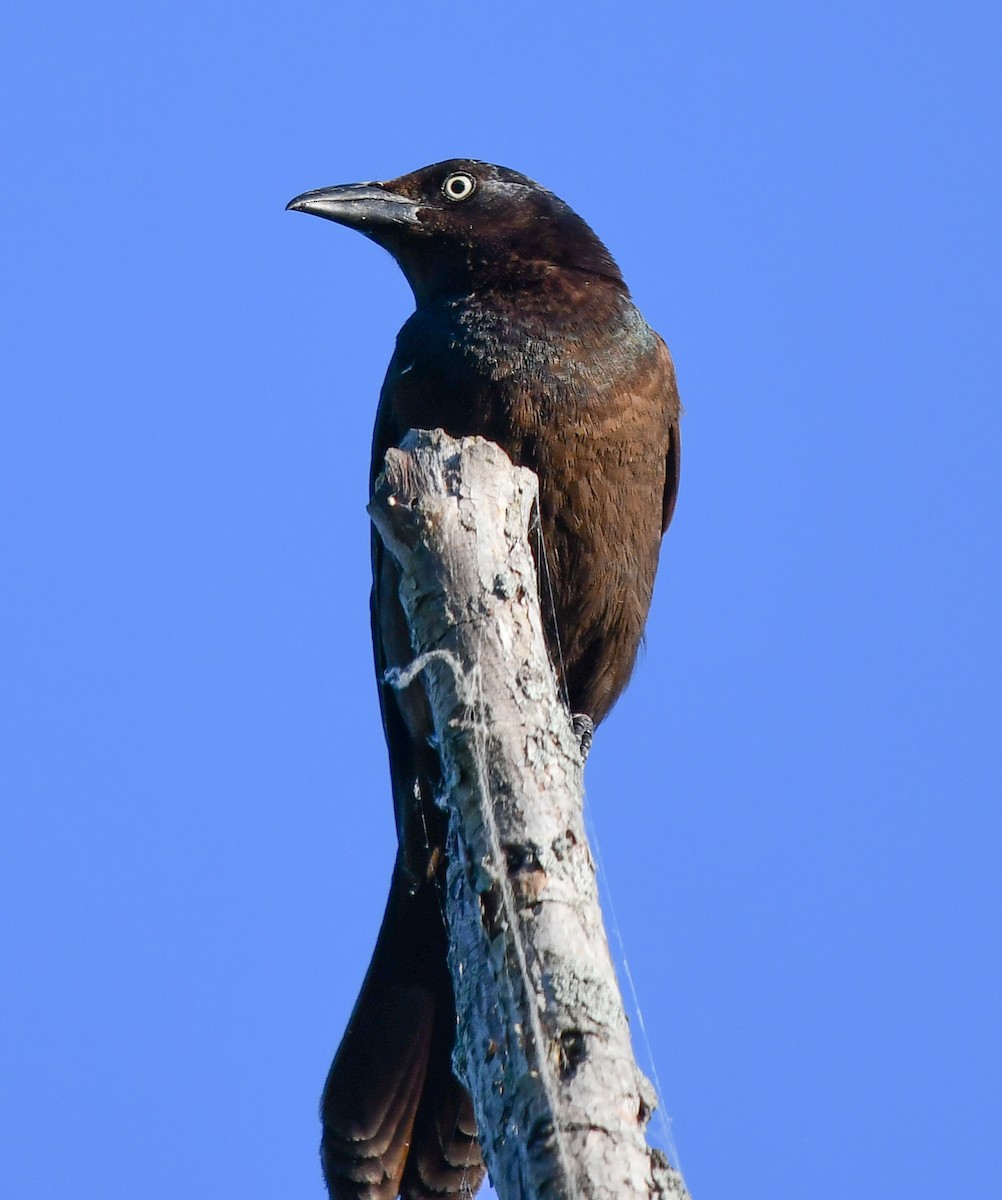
(797, 803)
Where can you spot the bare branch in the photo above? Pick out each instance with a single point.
(543, 1042)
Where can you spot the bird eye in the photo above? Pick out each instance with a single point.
(459, 186)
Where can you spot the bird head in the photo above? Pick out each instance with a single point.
(462, 225)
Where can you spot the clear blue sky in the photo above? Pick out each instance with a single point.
(798, 800)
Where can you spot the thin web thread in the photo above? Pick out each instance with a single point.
(663, 1119)
(544, 562)
(402, 678)
(511, 916)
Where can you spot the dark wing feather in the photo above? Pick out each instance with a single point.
(673, 463)
(375, 1082)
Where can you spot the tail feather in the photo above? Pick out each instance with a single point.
(371, 1098)
(395, 1119)
(445, 1159)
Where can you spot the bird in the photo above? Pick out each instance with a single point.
(525, 333)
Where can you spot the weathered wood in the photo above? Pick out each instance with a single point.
(543, 1042)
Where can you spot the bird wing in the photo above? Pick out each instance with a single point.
(673, 461)
(673, 467)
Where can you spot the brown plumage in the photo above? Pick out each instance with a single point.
(524, 332)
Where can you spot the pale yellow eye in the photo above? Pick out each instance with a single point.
(459, 186)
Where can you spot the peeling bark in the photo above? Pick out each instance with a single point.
(543, 1042)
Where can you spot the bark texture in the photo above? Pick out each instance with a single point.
(543, 1041)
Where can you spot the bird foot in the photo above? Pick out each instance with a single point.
(584, 731)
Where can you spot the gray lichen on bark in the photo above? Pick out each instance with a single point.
(542, 1041)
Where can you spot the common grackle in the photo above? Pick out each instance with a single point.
(524, 333)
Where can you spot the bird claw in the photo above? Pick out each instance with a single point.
(584, 731)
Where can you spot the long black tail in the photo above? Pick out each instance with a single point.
(395, 1119)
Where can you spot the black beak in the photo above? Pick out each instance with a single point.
(363, 206)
